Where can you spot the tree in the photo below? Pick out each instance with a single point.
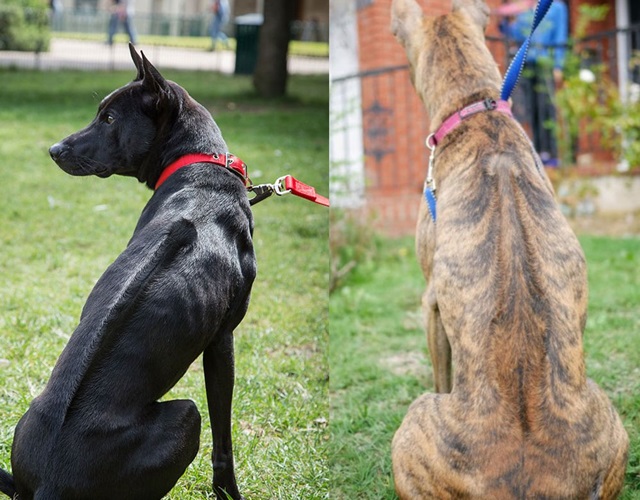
(270, 75)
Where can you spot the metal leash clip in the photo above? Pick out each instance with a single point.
(263, 191)
(430, 182)
(279, 186)
(285, 185)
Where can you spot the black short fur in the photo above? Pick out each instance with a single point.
(179, 289)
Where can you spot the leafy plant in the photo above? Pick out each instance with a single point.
(353, 244)
(24, 25)
(589, 101)
(624, 123)
(587, 95)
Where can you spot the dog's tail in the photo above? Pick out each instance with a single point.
(7, 486)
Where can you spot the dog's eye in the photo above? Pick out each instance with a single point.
(109, 119)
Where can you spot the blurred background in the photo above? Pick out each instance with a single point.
(222, 35)
(378, 157)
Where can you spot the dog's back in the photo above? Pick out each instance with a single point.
(507, 283)
(166, 306)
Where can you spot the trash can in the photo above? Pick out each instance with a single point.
(247, 39)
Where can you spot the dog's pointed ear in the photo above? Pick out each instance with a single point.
(152, 79)
(137, 60)
(478, 10)
(406, 20)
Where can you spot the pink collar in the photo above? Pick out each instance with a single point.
(447, 126)
(455, 119)
(233, 163)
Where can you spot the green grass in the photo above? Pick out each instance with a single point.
(58, 233)
(379, 361)
(296, 47)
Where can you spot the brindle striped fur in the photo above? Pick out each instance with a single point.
(505, 303)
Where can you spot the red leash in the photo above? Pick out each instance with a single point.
(284, 185)
(297, 188)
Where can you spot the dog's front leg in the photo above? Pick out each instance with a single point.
(439, 347)
(219, 378)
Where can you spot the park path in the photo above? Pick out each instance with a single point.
(86, 55)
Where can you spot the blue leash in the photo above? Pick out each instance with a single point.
(511, 78)
(430, 196)
(512, 75)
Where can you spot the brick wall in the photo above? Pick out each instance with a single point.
(394, 128)
(395, 124)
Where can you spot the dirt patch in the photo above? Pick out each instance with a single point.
(305, 351)
(408, 363)
(615, 225)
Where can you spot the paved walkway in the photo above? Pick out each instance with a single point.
(78, 54)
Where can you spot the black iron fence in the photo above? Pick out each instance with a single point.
(617, 50)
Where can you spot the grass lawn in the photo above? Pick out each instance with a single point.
(379, 360)
(58, 233)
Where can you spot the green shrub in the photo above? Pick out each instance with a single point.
(354, 246)
(582, 104)
(24, 25)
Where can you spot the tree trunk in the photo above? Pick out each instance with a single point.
(270, 75)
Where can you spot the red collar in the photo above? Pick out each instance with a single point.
(233, 163)
(455, 119)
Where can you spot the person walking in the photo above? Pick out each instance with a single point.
(533, 104)
(55, 9)
(122, 12)
(220, 9)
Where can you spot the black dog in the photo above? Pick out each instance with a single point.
(179, 289)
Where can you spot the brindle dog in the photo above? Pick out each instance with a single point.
(506, 301)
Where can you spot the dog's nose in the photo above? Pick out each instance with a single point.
(56, 151)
